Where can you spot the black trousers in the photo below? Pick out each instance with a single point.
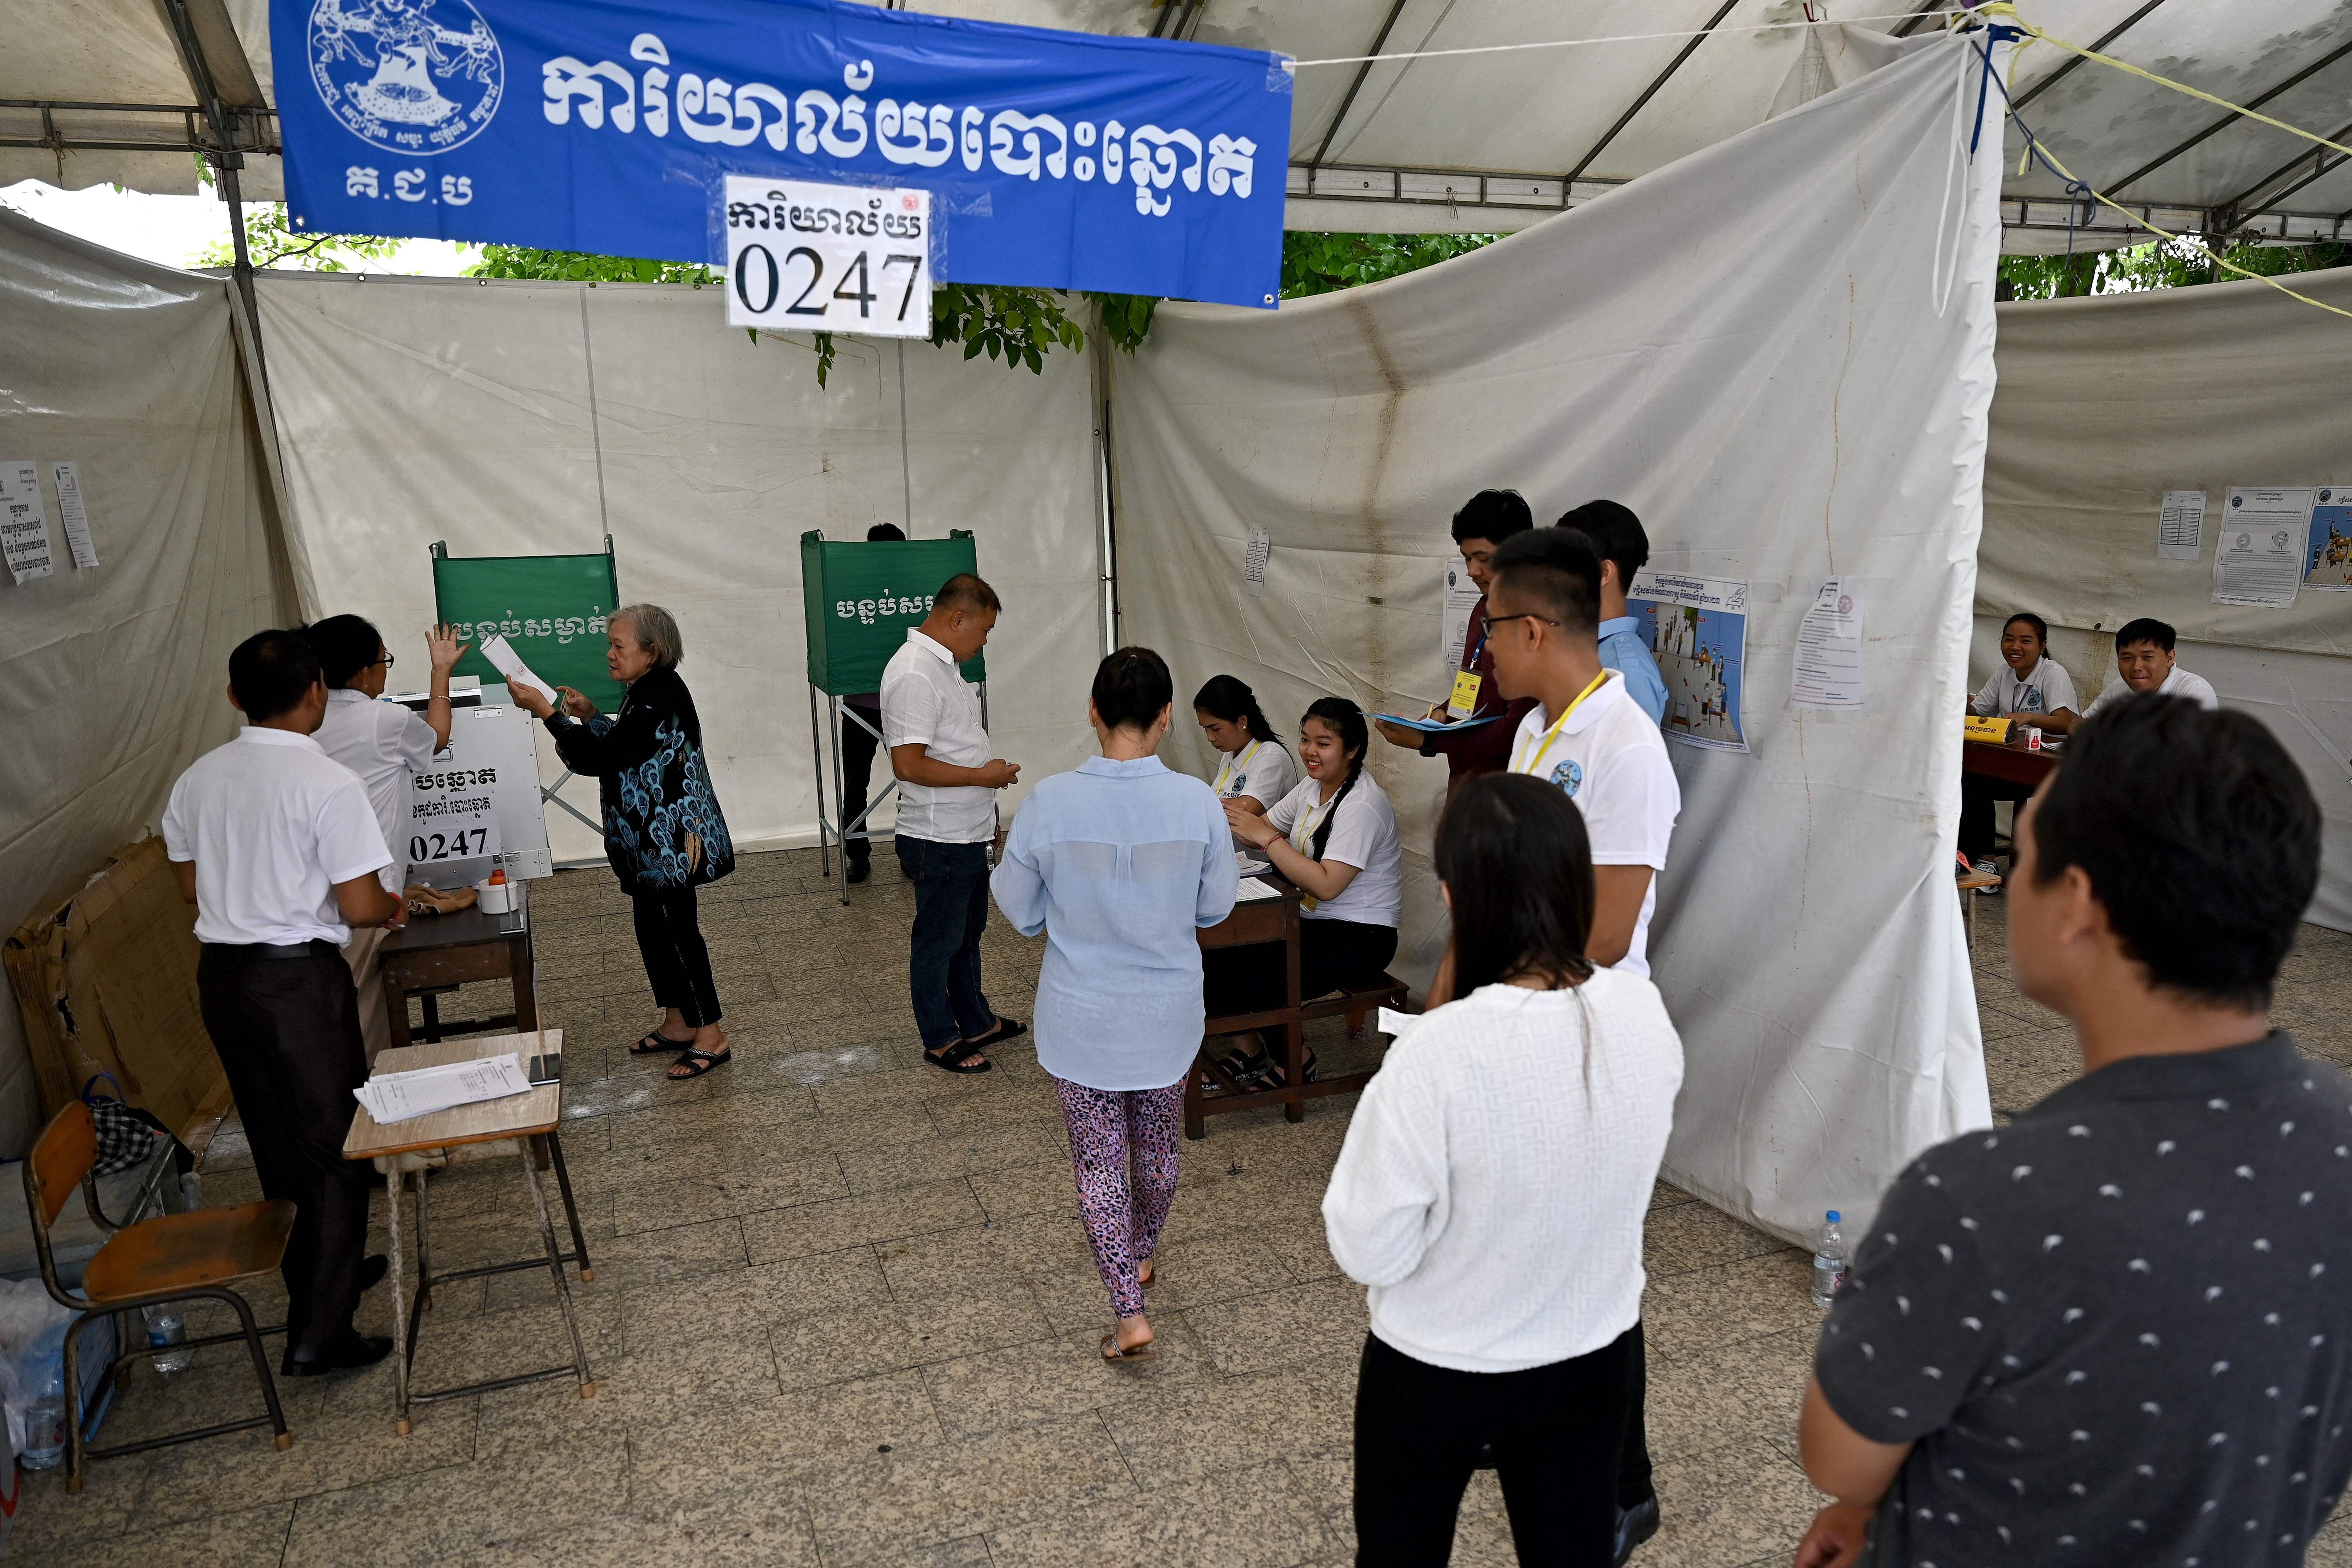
(669, 938)
(1978, 793)
(1556, 1432)
(288, 1034)
(1333, 955)
(943, 953)
(857, 773)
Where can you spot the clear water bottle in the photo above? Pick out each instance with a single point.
(1829, 1261)
(167, 1327)
(45, 1423)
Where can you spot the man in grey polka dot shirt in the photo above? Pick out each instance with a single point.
(2115, 1331)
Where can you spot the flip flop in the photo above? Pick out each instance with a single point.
(699, 1062)
(1006, 1029)
(1144, 1352)
(658, 1043)
(958, 1056)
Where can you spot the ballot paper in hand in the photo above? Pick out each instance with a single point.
(401, 1096)
(509, 663)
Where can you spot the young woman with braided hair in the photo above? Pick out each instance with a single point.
(1335, 835)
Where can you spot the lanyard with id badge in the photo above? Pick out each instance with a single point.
(1235, 767)
(1302, 834)
(1467, 682)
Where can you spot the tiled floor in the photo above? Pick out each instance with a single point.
(843, 1313)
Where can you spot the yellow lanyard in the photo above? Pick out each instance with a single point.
(1302, 834)
(1536, 761)
(1240, 762)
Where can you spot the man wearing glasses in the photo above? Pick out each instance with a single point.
(384, 743)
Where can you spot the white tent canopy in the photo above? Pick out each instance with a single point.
(91, 94)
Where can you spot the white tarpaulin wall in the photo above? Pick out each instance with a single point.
(1779, 411)
(2106, 404)
(111, 678)
(528, 418)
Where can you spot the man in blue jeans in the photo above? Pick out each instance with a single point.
(946, 820)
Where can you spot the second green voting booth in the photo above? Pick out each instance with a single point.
(859, 600)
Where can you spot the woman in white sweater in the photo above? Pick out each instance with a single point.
(1491, 1195)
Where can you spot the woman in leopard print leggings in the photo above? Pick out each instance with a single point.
(1119, 863)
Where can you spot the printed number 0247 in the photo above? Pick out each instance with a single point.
(760, 281)
(461, 845)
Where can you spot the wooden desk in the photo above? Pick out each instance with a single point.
(2014, 763)
(530, 1122)
(432, 951)
(1264, 922)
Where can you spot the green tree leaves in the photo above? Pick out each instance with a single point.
(2159, 265)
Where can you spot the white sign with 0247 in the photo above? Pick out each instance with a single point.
(808, 258)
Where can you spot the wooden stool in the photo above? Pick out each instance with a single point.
(175, 1258)
(1974, 883)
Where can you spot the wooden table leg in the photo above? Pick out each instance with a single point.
(395, 996)
(1196, 1125)
(1294, 1033)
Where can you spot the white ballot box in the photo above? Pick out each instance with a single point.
(478, 808)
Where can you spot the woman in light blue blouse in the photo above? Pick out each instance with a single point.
(1119, 863)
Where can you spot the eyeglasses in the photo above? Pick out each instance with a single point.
(385, 661)
(1493, 621)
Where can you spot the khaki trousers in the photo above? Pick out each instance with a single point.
(375, 1017)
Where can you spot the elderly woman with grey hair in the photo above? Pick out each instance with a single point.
(663, 832)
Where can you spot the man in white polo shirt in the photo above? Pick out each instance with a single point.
(1588, 735)
(277, 845)
(947, 817)
(2144, 659)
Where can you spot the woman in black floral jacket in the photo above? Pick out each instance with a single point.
(663, 832)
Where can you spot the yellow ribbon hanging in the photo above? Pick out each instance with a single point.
(2007, 9)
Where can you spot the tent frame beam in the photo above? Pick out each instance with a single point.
(1380, 41)
(2064, 70)
(2233, 117)
(225, 160)
(2323, 164)
(1651, 90)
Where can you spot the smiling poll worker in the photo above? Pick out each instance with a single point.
(2031, 689)
(1485, 521)
(947, 818)
(2145, 661)
(277, 845)
(387, 745)
(1587, 735)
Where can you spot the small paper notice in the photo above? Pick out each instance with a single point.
(74, 515)
(1462, 597)
(2258, 554)
(1261, 545)
(2180, 525)
(24, 521)
(509, 663)
(1253, 890)
(401, 1096)
(1829, 649)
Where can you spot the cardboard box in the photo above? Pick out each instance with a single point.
(106, 980)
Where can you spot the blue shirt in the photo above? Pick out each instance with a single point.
(1623, 650)
(1118, 863)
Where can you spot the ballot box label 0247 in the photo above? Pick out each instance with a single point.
(453, 816)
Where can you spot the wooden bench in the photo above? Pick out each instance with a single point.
(1292, 1095)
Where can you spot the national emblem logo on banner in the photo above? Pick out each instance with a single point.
(414, 77)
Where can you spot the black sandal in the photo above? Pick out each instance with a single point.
(658, 1044)
(1243, 1066)
(958, 1056)
(699, 1062)
(1275, 1078)
(1006, 1029)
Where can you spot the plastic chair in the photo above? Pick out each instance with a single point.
(175, 1258)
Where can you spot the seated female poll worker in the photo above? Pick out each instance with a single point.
(1335, 835)
(662, 833)
(1119, 863)
(1491, 1195)
(2030, 687)
(1257, 771)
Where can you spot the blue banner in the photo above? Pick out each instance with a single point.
(1055, 160)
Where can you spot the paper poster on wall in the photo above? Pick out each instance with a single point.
(2258, 553)
(2180, 525)
(24, 521)
(2327, 558)
(1462, 597)
(1253, 558)
(1829, 649)
(1697, 631)
(74, 515)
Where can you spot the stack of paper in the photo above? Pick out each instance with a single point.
(400, 1096)
(1252, 889)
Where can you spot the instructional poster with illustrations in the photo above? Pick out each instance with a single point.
(2327, 557)
(1697, 630)
(2258, 555)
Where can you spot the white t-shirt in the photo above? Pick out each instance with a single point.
(1363, 835)
(386, 745)
(926, 702)
(2180, 683)
(1611, 759)
(1492, 1188)
(273, 822)
(2045, 688)
(1263, 769)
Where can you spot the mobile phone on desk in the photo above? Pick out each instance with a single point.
(548, 1068)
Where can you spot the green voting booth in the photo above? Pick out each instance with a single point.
(859, 600)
